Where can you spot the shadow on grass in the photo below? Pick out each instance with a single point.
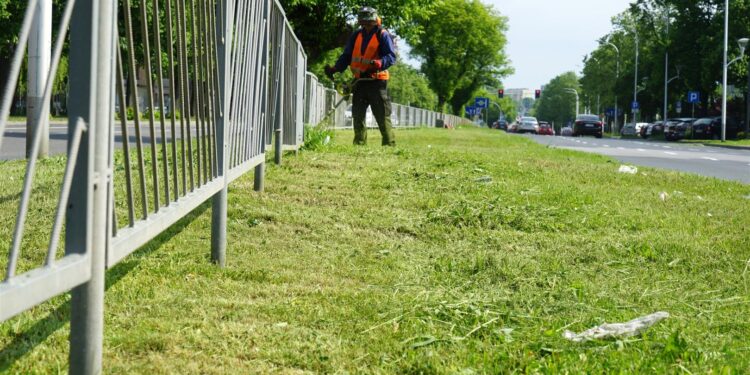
(57, 318)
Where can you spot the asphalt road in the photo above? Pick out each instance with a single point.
(14, 140)
(723, 163)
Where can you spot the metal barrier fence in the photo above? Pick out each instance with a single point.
(324, 104)
(235, 81)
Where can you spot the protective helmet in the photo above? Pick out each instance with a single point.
(367, 14)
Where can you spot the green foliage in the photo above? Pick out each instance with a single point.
(694, 43)
(317, 137)
(462, 50)
(506, 104)
(408, 86)
(557, 104)
(461, 251)
(324, 25)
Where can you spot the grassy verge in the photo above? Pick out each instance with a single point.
(729, 142)
(459, 251)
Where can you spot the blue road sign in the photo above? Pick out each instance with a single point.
(481, 102)
(694, 97)
(471, 110)
(635, 105)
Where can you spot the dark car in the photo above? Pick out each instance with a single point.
(710, 128)
(502, 125)
(587, 125)
(677, 128)
(652, 130)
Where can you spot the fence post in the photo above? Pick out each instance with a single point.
(224, 37)
(279, 120)
(91, 56)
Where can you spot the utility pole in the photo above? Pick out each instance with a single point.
(40, 49)
(666, 67)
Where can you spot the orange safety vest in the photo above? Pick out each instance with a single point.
(361, 63)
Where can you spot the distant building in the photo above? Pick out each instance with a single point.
(519, 94)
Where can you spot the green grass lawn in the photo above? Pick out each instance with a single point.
(459, 251)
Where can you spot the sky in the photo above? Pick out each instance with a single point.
(550, 37)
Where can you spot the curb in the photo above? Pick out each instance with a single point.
(734, 147)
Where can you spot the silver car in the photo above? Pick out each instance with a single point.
(528, 125)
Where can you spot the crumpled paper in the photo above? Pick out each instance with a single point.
(614, 330)
(628, 169)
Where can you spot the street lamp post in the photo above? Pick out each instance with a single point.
(617, 78)
(635, 80)
(743, 44)
(666, 84)
(576, 93)
(666, 67)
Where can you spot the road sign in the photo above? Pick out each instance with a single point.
(481, 102)
(635, 106)
(471, 110)
(694, 97)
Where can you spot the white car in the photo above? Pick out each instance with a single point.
(528, 125)
(628, 129)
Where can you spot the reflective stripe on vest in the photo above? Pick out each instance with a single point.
(361, 63)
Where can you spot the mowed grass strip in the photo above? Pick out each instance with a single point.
(459, 251)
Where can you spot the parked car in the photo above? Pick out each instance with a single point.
(587, 125)
(566, 131)
(528, 125)
(513, 128)
(500, 125)
(545, 128)
(710, 128)
(676, 128)
(651, 130)
(628, 129)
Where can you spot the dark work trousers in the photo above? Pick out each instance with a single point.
(375, 95)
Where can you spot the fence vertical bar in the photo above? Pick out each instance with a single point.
(260, 170)
(219, 201)
(279, 123)
(91, 42)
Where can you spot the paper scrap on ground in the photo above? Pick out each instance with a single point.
(610, 330)
(663, 196)
(628, 169)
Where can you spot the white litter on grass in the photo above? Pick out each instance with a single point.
(327, 140)
(614, 330)
(663, 196)
(628, 169)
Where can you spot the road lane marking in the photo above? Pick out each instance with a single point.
(670, 153)
(621, 148)
(707, 158)
(606, 145)
(641, 150)
(666, 147)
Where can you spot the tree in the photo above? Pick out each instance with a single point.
(507, 106)
(696, 29)
(409, 86)
(557, 104)
(461, 49)
(324, 25)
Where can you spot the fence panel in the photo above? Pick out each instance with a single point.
(30, 276)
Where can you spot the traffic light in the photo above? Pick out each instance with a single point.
(500, 93)
(537, 94)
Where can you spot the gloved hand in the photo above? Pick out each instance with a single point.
(375, 66)
(330, 71)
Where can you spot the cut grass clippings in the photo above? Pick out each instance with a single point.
(458, 251)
